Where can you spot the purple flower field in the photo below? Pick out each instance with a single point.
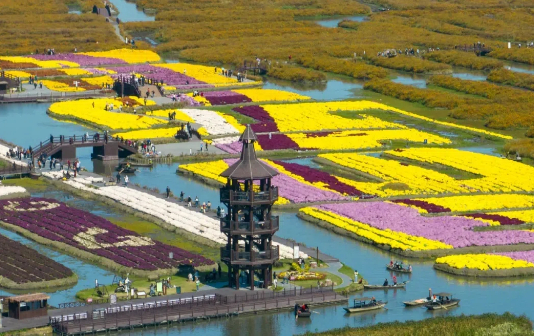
(94, 234)
(452, 230)
(82, 60)
(149, 71)
(225, 97)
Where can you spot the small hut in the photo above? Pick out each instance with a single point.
(27, 305)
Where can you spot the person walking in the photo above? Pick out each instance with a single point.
(275, 283)
(198, 284)
(196, 201)
(126, 180)
(168, 191)
(355, 276)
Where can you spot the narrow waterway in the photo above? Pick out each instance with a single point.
(129, 12)
(333, 22)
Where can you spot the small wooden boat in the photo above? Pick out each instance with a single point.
(302, 310)
(418, 302)
(365, 304)
(443, 301)
(400, 270)
(399, 285)
(125, 168)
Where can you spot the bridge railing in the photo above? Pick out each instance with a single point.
(52, 95)
(17, 169)
(74, 139)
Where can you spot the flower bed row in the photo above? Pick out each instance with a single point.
(453, 231)
(470, 203)
(496, 174)
(171, 213)
(21, 264)
(57, 222)
(89, 59)
(84, 110)
(417, 180)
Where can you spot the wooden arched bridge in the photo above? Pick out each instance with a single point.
(63, 147)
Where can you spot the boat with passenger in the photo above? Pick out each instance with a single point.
(365, 304)
(442, 301)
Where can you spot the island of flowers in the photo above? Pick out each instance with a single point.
(405, 231)
(488, 265)
(76, 230)
(24, 268)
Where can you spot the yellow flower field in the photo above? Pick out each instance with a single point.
(202, 100)
(483, 262)
(17, 73)
(130, 56)
(419, 180)
(199, 72)
(61, 87)
(365, 139)
(109, 71)
(394, 239)
(41, 64)
(267, 95)
(83, 110)
(498, 174)
(321, 116)
(98, 80)
(149, 133)
(75, 72)
(483, 202)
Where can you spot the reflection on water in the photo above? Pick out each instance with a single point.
(332, 23)
(519, 67)
(128, 12)
(413, 80)
(28, 124)
(481, 150)
(334, 89)
(469, 76)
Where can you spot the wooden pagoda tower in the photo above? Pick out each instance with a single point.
(249, 224)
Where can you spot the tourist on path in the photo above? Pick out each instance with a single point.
(126, 180)
(196, 201)
(198, 284)
(168, 191)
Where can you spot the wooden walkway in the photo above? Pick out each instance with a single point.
(153, 312)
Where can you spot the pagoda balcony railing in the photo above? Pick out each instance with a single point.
(250, 258)
(248, 228)
(249, 197)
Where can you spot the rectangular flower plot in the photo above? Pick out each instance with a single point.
(466, 203)
(21, 264)
(494, 173)
(57, 222)
(405, 228)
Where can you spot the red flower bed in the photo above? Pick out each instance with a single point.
(82, 230)
(22, 264)
(497, 218)
(265, 122)
(314, 175)
(429, 207)
(227, 100)
(277, 141)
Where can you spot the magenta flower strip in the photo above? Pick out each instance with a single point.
(452, 230)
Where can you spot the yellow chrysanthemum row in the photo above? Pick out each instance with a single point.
(498, 174)
(394, 239)
(483, 262)
(363, 140)
(84, 110)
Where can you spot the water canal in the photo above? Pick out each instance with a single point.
(129, 12)
(333, 22)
